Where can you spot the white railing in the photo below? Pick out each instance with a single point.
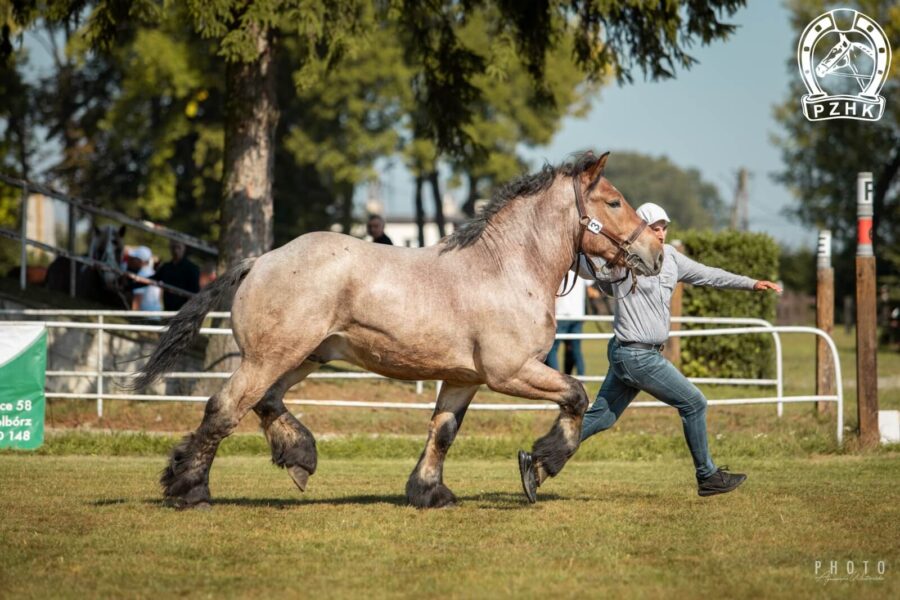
(750, 326)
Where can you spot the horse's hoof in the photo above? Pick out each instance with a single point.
(433, 496)
(181, 504)
(526, 471)
(300, 476)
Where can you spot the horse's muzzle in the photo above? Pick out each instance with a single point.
(636, 263)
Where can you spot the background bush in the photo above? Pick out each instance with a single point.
(749, 356)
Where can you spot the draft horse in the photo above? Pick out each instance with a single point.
(477, 308)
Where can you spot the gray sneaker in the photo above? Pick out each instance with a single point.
(720, 482)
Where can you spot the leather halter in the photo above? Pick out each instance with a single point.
(623, 247)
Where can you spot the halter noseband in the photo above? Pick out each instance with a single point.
(591, 224)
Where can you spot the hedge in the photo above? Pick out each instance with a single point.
(747, 356)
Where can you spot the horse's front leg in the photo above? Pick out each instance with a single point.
(550, 453)
(425, 488)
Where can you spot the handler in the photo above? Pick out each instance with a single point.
(641, 327)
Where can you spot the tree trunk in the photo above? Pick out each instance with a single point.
(251, 116)
(438, 203)
(420, 211)
(346, 204)
(469, 206)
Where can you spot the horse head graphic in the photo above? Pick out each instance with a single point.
(862, 53)
(841, 56)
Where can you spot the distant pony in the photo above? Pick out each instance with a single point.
(92, 282)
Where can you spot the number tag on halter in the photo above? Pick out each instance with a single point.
(594, 226)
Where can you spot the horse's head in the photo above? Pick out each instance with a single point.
(831, 61)
(107, 247)
(612, 229)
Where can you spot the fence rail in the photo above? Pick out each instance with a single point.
(739, 326)
(76, 204)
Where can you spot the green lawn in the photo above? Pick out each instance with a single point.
(83, 517)
(93, 526)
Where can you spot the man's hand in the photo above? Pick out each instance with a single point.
(766, 285)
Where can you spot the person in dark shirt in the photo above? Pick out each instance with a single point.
(181, 273)
(375, 228)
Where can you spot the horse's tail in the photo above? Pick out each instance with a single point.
(185, 325)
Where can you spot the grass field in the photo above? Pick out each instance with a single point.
(83, 515)
(79, 526)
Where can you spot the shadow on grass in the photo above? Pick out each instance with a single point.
(491, 500)
(109, 502)
(364, 499)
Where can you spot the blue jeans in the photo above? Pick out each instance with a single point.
(574, 345)
(632, 370)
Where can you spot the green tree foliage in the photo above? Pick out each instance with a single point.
(690, 202)
(751, 254)
(157, 149)
(511, 111)
(202, 117)
(16, 148)
(797, 268)
(822, 158)
(336, 127)
(617, 36)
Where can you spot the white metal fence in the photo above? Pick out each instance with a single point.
(737, 326)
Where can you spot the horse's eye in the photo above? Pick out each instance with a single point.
(614, 204)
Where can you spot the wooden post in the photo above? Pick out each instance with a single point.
(673, 345)
(70, 245)
(866, 333)
(824, 321)
(23, 258)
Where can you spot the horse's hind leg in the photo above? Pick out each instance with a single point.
(551, 451)
(293, 445)
(425, 488)
(185, 481)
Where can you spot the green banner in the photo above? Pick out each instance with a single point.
(23, 361)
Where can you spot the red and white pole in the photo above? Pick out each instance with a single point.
(866, 321)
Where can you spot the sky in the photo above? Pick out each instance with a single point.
(716, 117)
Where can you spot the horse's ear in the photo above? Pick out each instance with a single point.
(595, 171)
(121, 232)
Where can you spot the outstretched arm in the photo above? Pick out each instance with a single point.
(691, 271)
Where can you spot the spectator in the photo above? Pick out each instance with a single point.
(145, 297)
(179, 272)
(375, 228)
(572, 306)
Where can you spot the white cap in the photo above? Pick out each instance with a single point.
(142, 252)
(652, 213)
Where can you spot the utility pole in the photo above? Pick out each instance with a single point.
(739, 217)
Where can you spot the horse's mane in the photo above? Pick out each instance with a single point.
(526, 185)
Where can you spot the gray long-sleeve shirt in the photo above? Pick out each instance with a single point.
(644, 315)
